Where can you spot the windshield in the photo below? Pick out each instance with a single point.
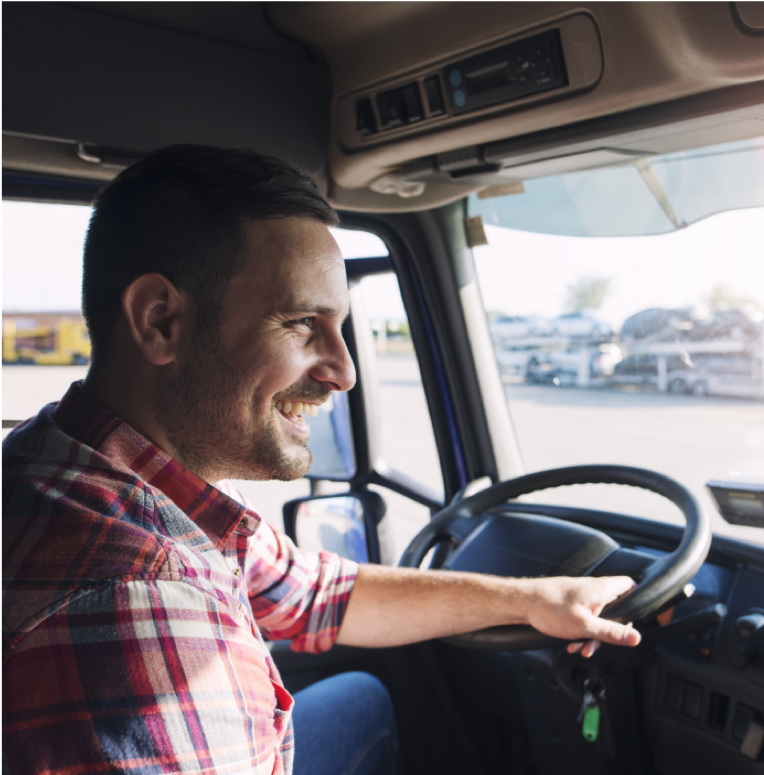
(640, 350)
(647, 195)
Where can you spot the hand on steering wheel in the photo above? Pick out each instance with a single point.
(569, 608)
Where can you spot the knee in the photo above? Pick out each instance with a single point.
(369, 692)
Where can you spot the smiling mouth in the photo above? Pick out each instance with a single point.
(295, 410)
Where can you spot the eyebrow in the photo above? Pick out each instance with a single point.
(329, 312)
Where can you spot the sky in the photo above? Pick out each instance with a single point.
(519, 272)
(525, 274)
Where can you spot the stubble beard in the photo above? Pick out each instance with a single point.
(201, 413)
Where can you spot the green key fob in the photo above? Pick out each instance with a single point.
(591, 725)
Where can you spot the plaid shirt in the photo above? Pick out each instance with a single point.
(135, 595)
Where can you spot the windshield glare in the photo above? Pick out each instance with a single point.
(649, 195)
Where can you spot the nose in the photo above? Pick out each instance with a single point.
(334, 368)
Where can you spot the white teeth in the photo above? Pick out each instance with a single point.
(298, 407)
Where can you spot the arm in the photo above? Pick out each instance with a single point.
(297, 595)
(395, 606)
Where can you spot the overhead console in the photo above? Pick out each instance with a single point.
(551, 62)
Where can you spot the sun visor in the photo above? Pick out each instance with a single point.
(109, 82)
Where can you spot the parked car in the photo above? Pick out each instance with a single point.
(521, 360)
(728, 324)
(643, 368)
(518, 327)
(717, 374)
(605, 358)
(637, 369)
(601, 360)
(579, 324)
(657, 324)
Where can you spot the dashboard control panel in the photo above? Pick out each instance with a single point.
(558, 59)
(508, 73)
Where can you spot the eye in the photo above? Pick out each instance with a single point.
(308, 322)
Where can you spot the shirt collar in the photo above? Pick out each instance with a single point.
(217, 514)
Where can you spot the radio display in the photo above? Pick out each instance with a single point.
(511, 72)
(487, 78)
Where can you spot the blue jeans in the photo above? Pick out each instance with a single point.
(344, 725)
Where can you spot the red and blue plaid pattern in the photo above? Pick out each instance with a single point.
(134, 597)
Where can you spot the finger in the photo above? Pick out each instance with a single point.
(615, 586)
(574, 648)
(589, 648)
(612, 632)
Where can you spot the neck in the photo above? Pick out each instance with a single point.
(126, 393)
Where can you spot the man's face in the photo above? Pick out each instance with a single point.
(234, 407)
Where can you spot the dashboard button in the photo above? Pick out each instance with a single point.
(365, 122)
(434, 96)
(412, 102)
(391, 110)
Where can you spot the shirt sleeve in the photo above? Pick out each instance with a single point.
(297, 595)
(144, 677)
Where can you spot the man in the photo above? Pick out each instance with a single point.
(137, 583)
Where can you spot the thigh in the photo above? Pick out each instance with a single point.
(344, 725)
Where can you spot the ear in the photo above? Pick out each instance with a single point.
(156, 313)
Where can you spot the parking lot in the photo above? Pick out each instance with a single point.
(691, 439)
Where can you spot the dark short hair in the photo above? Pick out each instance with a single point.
(181, 212)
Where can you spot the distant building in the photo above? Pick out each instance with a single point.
(35, 319)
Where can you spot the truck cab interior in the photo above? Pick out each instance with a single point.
(433, 126)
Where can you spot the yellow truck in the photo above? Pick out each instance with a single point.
(64, 344)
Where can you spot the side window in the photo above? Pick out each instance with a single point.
(45, 344)
(407, 442)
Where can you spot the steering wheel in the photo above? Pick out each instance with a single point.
(663, 579)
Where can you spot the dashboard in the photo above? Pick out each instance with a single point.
(700, 669)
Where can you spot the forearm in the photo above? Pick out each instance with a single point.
(395, 606)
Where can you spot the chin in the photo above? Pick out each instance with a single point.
(284, 468)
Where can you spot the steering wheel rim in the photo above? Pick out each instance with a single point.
(663, 580)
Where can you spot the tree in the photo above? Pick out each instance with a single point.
(723, 297)
(587, 293)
